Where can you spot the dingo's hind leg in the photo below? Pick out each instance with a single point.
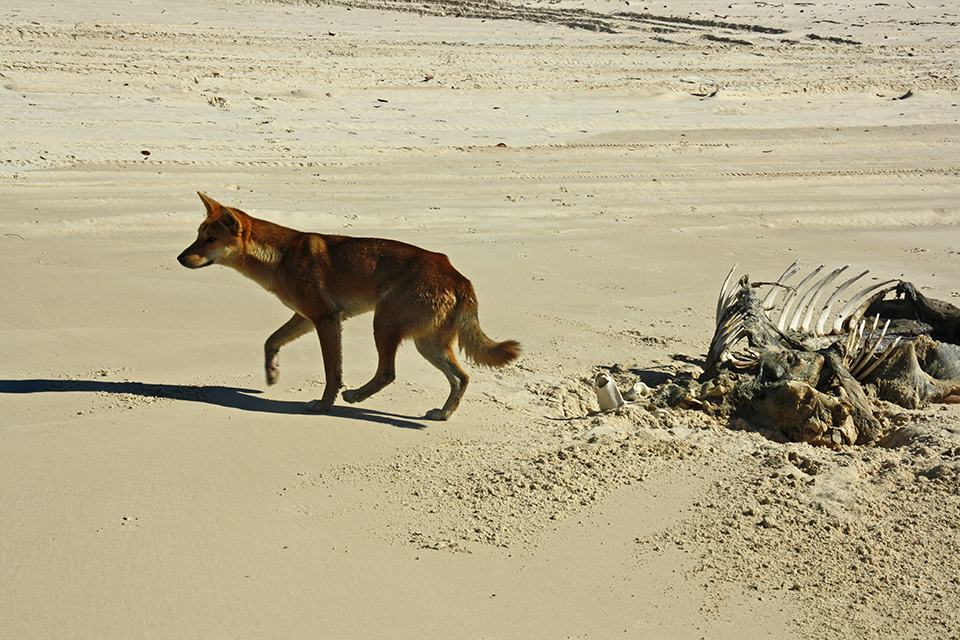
(386, 373)
(387, 336)
(438, 350)
(290, 331)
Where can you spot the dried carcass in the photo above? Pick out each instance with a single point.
(806, 363)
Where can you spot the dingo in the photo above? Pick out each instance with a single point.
(326, 279)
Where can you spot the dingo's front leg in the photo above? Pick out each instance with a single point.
(290, 331)
(328, 329)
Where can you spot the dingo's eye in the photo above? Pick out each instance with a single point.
(210, 239)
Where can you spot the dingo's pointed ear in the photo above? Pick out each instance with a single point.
(230, 221)
(213, 207)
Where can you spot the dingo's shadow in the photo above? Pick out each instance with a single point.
(232, 397)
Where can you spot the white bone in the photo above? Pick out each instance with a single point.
(735, 316)
(738, 331)
(825, 314)
(882, 357)
(769, 300)
(808, 300)
(739, 363)
(855, 340)
(608, 394)
(856, 301)
(808, 316)
(864, 306)
(865, 356)
(852, 343)
(723, 302)
(723, 344)
(785, 313)
(867, 347)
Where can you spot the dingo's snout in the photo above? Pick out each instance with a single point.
(193, 260)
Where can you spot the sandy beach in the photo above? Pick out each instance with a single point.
(595, 167)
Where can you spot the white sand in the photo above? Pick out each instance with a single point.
(151, 487)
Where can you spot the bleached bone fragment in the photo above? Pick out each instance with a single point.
(785, 312)
(608, 394)
(770, 299)
(825, 314)
(637, 392)
(865, 348)
(806, 299)
(854, 303)
(729, 325)
(740, 363)
(812, 304)
(868, 302)
(864, 352)
(723, 302)
(883, 356)
(721, 343)
(854, 338)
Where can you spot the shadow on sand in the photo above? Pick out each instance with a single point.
(231, 397)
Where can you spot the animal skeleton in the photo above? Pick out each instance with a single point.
(798, 369)
(733, 310)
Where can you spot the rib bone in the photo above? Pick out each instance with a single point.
(810, 300)
(723, 302)
(771, 297)
(883, 356)
(856, 301)
(785, 313)
(865, 348)
(825, 314)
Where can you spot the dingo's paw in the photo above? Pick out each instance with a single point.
(273, 371)
(437, 414)
(319, 406)
(352, 395)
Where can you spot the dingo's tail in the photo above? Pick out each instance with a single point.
(475, 343)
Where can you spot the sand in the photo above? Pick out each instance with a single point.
(595, 168)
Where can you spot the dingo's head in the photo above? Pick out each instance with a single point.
(218, 238)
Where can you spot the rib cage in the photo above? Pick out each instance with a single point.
(743, 315)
